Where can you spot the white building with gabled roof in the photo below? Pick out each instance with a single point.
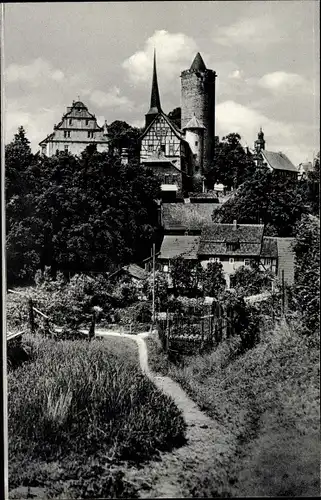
(77, 129)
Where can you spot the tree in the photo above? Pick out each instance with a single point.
(309, 188)
(265, 197)
(23, 238)
(175, 116)
(18, 158)
(232, 165)
(122, 136)
(214, 282)
(251, 280)
(186, 276)
(90, 213)
(307, 271)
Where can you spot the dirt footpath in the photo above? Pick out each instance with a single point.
(185, 471)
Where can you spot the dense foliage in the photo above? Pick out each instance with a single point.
(214, 282)
(232, 165)
(267, 198)
(307, 272)
(70, 213)
(251, 280)
(122, 135)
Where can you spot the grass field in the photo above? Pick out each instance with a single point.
(78, 410)
(268, 401)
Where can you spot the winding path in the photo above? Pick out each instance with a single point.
(207, 450)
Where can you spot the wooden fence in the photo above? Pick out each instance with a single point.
(189, 333)
(48, 327)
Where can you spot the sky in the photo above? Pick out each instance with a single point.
(265, 53)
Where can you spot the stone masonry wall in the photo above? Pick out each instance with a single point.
(198, 96)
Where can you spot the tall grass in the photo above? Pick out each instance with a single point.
(89, 400)
(267, 400)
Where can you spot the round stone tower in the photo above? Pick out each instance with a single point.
(198, 98)
(194, 135)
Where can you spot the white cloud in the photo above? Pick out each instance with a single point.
(251, 32)
(35, 73)
(236, 74)
(174, 51)
(37, 123)
(280, 136)
(111, 99)
(281, 81)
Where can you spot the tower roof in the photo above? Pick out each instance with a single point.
(194, 123)
(78, 104)
(198, 63)
(155, 106)
(260, 134)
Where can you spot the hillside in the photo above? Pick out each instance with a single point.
(267, 402)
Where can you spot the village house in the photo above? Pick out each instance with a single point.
(77, 129)
(278, 163)
(278, 256)
(233, 245)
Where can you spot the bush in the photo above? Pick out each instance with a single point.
(87, 399)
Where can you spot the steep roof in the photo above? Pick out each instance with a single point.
(214, 239)
(176, 131)
(286, 258)
(194, 123)
(135, 271)
(155, 106)
(176, 245)
(278, 161)
(198, 63)
(187, 216)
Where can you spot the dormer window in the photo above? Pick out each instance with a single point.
(233, 245)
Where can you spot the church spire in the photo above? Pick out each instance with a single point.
(155, 106)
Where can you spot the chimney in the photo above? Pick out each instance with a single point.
(124, 156)
(234, 225)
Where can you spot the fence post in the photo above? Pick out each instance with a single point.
(92, 326)
(283, 294)
(167, 331)
(31, 316)
(46, 326)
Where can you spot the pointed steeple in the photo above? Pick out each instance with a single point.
(198, 63)
(155, 106)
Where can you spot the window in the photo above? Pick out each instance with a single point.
(171, 149)
(150, 147)
(67, 133)
(196, 143)
(86, 122)
(162, 148)
(231, 260)
(70, 121)
(167, 179)
(247, 262)
(66, 149)
(233, 245)
(90, 135)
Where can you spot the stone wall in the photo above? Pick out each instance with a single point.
(198, 97)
